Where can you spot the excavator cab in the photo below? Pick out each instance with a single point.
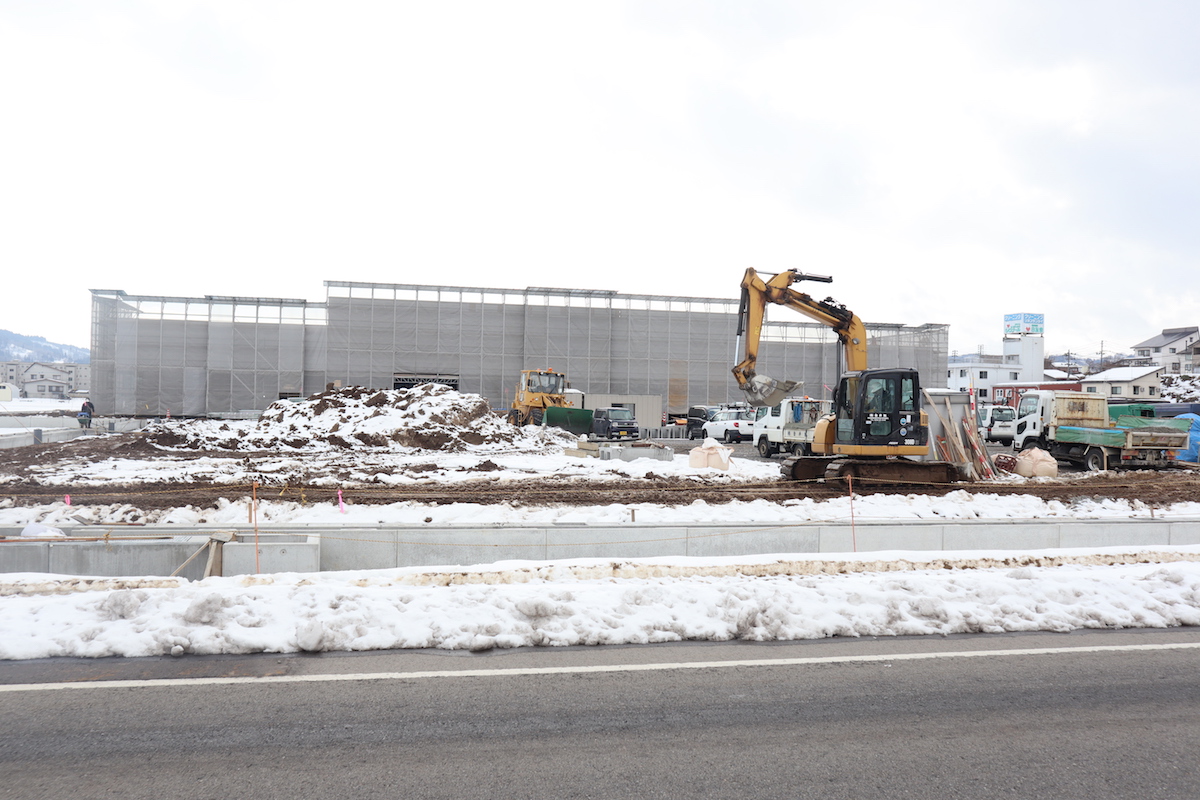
(876, 412)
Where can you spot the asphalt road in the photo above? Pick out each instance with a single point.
(797, 720)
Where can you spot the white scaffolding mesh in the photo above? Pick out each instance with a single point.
(212, 355)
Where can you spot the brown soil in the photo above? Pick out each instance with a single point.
(1155, 489)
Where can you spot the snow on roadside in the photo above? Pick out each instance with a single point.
(958, 505)
(523, 604)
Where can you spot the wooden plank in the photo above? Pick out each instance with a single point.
(956, 440)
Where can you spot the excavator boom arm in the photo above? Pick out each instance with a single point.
(756, 293)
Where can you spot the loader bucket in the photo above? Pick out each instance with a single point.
(576, 420)
(763, 391)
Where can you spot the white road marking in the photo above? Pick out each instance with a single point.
(509, 673)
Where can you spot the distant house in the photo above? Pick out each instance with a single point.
(1169, 349)
(76, 377)
(45, 381)
(1127, 383)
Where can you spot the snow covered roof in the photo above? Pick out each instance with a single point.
(1121, 374)
(1168, 335)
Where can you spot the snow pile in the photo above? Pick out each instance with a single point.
(522, 604)
(19, 406)
(1181, 388)
(958, 505)
(426, 417)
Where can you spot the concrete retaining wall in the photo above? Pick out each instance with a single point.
(24, 431)
(312, 548)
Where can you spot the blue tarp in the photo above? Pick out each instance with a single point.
(1192, 453)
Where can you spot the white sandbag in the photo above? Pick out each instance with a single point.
(1036, 463)
(36, 530)
(710, 454)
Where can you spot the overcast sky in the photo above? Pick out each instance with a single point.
(945, 162)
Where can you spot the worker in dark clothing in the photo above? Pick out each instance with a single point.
(85, 414)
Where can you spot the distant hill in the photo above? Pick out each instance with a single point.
(15, 347)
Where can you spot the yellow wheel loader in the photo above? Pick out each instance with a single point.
(540, 399)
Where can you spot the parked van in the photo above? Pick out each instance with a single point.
(614, 423)
(697, 416)
(997, 423)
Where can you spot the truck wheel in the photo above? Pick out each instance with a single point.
(1093, 459)
(536, 416)
(764, 448)
(801, 449)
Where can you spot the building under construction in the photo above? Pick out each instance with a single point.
(212, 355)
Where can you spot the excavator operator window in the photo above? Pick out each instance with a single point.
(881, 405)
(881, 396)
(846, 398)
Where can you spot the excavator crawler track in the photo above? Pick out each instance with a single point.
(885, 470)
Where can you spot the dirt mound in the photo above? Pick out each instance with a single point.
(426, 417)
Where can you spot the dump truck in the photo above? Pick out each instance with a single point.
(788, 426)
(1074, 427)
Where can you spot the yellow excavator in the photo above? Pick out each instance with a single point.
(877, 421)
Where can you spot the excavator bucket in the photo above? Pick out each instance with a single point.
(763, 391)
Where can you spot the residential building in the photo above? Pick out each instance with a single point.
(68, 378)
(1024, 354)
(1170, 350)
(981, 372)
(1126, 383)
(44, 381)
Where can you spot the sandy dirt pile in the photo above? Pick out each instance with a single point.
(426, 417)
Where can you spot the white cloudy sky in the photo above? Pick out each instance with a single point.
(945, 162)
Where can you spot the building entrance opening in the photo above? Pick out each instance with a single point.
(409, 380)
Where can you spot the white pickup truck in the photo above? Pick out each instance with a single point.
(788, 427)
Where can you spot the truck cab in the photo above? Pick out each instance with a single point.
(788, 426)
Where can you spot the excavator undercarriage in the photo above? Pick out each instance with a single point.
(883, 470)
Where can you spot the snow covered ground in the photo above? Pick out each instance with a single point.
(35, 405)
(960, 505)
(522, 604)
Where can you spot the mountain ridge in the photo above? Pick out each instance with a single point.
(18, 347)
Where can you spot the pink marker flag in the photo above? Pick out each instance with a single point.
(341, 505)
(67, 499)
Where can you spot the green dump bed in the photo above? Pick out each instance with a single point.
(1132, 433)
